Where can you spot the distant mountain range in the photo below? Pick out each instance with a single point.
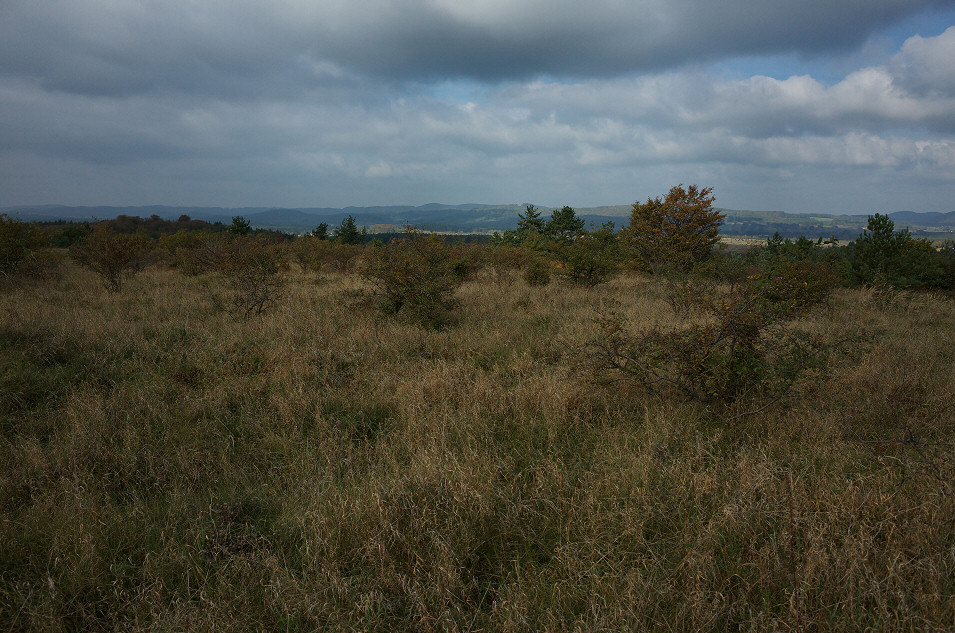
(482, 218)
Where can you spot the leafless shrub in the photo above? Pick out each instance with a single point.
(114, 256)
(252, 273)
(738, 342)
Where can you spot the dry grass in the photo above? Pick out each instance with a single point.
(164, 467)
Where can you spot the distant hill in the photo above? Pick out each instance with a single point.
(482, 218)
(929, 219)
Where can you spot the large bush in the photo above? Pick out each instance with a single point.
(415, 277)
(884, 256)
(314, 253)
(593, 257)
(191, 252)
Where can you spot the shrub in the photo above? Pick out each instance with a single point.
(20, 249)
(69, 235)
(113, 256)
(467, 259)
(592, 258)
(414, 276)
(253, 275)
(504, 259)
(537, 272)
(884, 256)
(317, 254)
(191, 252)
(739, 344)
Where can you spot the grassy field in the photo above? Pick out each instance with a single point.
(164, 467)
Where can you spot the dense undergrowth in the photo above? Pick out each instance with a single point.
(324, 466)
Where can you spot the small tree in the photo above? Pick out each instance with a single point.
(678, 231)
(564, 224)
(349, 233)
(531, 220)
(113, 256)
(529, 223)
(240, 226)
(321, 231)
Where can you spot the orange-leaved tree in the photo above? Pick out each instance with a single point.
(678, 231)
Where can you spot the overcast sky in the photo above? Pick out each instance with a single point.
(806, 105)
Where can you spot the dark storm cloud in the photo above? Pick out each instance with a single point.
(565, 38)
(246, 48)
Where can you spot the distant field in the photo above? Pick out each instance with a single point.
(164, 467)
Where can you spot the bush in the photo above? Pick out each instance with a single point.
(415, 277)
(592, 258)
(504, 259)
(884, 256)
(537, 272)
(739, 343)
(113, 256)
(191, 252)
(69, 235)
(467, 259)
(21, 249)
(318, 254)
(253, 275)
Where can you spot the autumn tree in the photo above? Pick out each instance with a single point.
(678, 231)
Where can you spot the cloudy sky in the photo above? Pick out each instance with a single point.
(791, 105)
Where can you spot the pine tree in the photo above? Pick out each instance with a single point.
(564, 224)
(349, 233)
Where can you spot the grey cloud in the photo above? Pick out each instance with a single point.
(261, 105)
(566, 38)
(909, 94)
(249, 48)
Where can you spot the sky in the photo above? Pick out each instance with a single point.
(827, 106)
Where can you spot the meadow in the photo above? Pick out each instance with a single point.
(165, 466)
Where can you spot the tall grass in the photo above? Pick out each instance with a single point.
(166, 467)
